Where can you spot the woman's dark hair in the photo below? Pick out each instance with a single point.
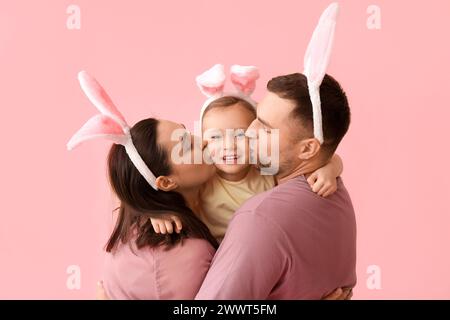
(139, 201)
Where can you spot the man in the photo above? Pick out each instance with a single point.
(289, 243)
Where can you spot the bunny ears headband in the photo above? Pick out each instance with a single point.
(212, 82)
(109, 124)
(317, 58)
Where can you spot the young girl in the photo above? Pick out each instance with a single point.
(224, 120)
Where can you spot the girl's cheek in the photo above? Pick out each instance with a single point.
(214, 148)
(241, 145)
(214, 152)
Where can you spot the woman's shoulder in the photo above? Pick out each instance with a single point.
(158, 272)
(187, 248)
(181, 269)
(191, 248)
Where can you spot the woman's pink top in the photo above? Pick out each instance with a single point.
(156, 273)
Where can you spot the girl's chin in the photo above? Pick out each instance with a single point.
(232, 168)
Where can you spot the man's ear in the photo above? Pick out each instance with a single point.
(165, 183)
(309, 148)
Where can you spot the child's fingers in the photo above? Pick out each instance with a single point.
(162, 228)
(155, 225)
(322, 191)
(326, 193)
(178, 224)
(317, 186)
(169, 226)
(329, 191)
(312, 178)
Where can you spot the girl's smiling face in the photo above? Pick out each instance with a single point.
(224, 128)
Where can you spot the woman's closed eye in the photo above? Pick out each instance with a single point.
(186, 142)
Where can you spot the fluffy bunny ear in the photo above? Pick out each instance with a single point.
(244, 78)
(211, 82)
(110, 125)
(99, 98)
(317, 58)
(99, 126)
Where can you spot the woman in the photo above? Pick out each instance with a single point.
(141, 264)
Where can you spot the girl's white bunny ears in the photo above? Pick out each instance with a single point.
(316, 61)
(212, 83)
(109, 124)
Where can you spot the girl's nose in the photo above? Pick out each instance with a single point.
(229, 141)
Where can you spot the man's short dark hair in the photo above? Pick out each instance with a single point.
(334, 104)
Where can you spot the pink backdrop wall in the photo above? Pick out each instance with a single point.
(55, 205)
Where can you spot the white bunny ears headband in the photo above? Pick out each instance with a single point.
(109, 124)
(316, 60)
(212, 83)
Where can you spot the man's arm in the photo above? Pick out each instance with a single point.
(249, 262)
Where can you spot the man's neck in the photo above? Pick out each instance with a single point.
(304, 168)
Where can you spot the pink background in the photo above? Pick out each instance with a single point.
(56, 205)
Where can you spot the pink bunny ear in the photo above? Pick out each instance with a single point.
(317, 58)
(98, 96)
(110, 125)
(244, 78)
(211, 82)
(98, 127)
